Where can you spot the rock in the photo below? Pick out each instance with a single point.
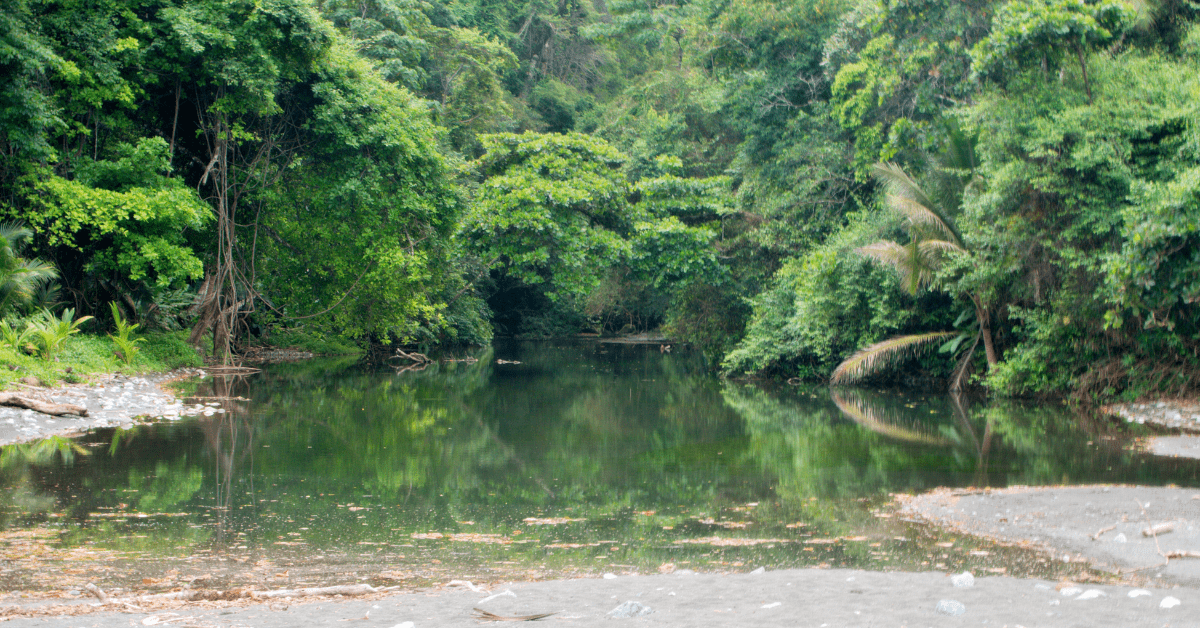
(406, 624)
(1138, 593)
(963, 580)
(772, 605)
(1169, 602)
(630, 609)
(610, 576)
(760, 570)
(1120, 538)
(953, 608)
(1092, 594)
(1069, 591)
(31, 380)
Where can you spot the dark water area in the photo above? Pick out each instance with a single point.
(570, 457)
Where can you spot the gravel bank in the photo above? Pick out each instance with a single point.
(111, 400)
(1183, 416)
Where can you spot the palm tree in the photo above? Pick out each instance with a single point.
(20, 278)
(932, 236)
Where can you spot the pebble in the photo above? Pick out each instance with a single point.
(406, 624)
(1169, 602)
(1092, 594)
(1138, 593)
(759, 571)
(953, 608)
(963, 580)
(630, 609)
(1120, 538)
(610, 576)
(1069, 591)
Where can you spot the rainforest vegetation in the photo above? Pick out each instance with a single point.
(989, 193)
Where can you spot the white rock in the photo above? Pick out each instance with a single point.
(610, 576)
(1120, 538)
(1169, 602)
(772, 605)
(950, 607)
(1138, 593)
(407, 624)
(759, 571)
(1069, 591)
(1092, 594)
(963, 580)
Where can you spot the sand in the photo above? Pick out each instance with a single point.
(805, 598)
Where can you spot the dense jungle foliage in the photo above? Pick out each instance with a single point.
(998, 192)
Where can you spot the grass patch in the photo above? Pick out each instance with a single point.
(85, 354)
(315, 344)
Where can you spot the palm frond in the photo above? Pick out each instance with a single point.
(898, 183)
(882, 355)
(906, 197)
(937, 247)
(924, 219)
(915, 264)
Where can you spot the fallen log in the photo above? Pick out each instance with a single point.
(45, 407)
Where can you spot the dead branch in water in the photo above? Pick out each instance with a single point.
(1096, 536)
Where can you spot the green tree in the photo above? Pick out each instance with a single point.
(1042, 32)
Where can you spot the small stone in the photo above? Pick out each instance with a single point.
(630, 609)
(963, 580)
(953, 608)
(1138, 593)
(1120, 538)
(1091, 594)
(772, 605)
(610, 576)
(1069, 591)
(1169, 602)
(407, 624)
(759, 571)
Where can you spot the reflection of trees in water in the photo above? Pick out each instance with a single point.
(229, 438)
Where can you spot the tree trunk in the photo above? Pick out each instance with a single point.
(985, 331)
(1087, 86)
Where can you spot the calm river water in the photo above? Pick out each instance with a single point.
(581, 457)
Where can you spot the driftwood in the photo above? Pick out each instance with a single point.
(419, 358)
(45, 407)
(1161, 528)
(191, 595)
(95, 590)
(1182, 554)
(1096, 536)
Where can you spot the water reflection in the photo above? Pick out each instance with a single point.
(567, 457)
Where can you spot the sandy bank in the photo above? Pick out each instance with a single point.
(813, 598)
(1099, 524)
